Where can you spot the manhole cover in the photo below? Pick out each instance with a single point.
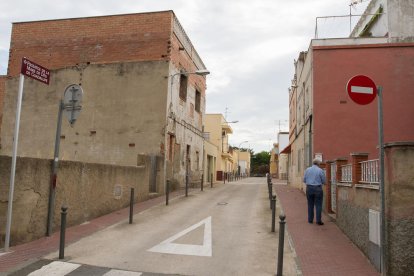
(222, 203)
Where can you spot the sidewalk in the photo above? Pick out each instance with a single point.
(321, 250)
(26, 253)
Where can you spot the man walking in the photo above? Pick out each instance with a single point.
(314, 178)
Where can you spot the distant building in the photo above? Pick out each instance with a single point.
(218, 130)
(244, 163)
(283, 140)
(274, 161)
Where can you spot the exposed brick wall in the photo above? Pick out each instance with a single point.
(105, 39)
(356, 158)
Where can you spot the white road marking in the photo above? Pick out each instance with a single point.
(362, 90)
(205, 250)
(55, 269)
(114, 272)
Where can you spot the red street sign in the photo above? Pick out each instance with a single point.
(361, 89)
(35, 71)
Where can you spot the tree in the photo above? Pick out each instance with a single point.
(260, 163)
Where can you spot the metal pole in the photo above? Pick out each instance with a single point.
(52, 192)
(186, 184)
(131, 206)
(13, 165)
(281, 245)
(273, 213)
(270, 194)
(167, 192)
(382, 186)
(224, 177)
(211, 181)
(62, 232)
(202, 182)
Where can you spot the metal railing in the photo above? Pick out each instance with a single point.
(346, 173)
(370, 171)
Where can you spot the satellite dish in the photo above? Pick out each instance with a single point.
(72, 99)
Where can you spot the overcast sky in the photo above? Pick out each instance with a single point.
(249, 47)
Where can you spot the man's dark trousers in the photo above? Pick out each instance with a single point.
(314, 194)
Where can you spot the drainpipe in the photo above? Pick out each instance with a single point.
(310, 141)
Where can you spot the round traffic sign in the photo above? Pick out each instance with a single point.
(361, 89)
(72, 99)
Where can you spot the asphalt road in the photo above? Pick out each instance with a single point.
(220, 231)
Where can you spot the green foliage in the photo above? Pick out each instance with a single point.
(260, 163)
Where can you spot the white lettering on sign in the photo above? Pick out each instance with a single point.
(362, 90)
(35, 71)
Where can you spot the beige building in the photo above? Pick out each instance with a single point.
(244, 163)
(274, 161)
(138, 104)
(211, 152)
(217, 132)
(141, 120)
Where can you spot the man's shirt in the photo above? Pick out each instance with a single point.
(314, 176)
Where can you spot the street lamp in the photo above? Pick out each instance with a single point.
(238, 158)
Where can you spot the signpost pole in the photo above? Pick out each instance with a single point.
(382, 185)
(13, 165)
(52, 193)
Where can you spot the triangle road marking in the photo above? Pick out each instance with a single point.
(204, 250)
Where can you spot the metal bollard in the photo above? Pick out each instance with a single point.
(273, 213)
(167, 192)
(211, 181)
(281, 245)
(225, 175)
(270, 194)
(186, 185)
(131, 206)
(202, 182)
(62, 232)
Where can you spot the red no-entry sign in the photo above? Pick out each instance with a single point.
(361, 89)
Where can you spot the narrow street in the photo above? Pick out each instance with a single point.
(221, 231)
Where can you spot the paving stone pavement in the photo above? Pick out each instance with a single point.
(321, 250)
(24, 254)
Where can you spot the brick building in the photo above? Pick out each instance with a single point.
(144, 95)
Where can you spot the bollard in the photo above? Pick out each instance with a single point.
(167, 192)
(225, 175)
(202, 182)
(270, 194)
(62, 232)
(186, 185)
(211, 181)
(273, 213)
(131, 206)
(281, 245)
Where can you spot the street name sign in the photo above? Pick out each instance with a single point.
(35, 71)
(361, 89)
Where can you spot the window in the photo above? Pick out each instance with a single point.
(197, 100)
(183, 87)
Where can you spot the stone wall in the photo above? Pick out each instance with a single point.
(399, 210)
(358, 209)
(353, 205)
(89, 190)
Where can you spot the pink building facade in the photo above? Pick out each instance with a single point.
(340, 125)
